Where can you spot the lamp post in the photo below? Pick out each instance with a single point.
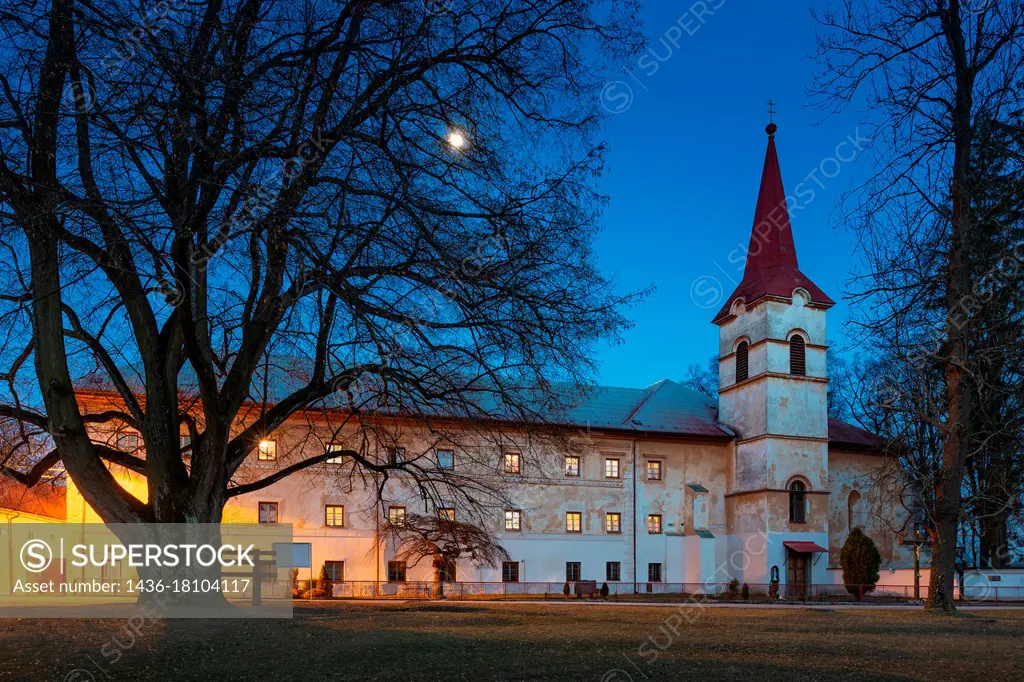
(919, 536)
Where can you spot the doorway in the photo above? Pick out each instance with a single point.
(796, 573)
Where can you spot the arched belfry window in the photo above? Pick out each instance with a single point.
(742, 361)
(797, 355)
(797, 504)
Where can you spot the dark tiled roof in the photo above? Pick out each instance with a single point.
(841, 434)
(666, 407)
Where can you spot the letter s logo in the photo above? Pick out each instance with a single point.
(36, 556)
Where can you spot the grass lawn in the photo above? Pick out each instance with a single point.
(482, 641)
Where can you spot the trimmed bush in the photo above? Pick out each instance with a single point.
(604, 590)
(860, 562)
(321, 588)
(734, 588)
(746, 592)
(565, 589)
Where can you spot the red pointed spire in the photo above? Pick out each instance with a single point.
(771, 268)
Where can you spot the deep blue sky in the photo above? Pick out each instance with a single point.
(685, 165)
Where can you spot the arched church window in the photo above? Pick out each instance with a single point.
(742, 362)
(856, 510)
(797, 355)
(797, 506)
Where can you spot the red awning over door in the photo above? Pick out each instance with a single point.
(804, 546)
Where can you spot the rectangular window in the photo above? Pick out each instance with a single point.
(185, 445)
(613, 522)
(108, 572)
(127, 441)
(572, 571)
(654, 573)
(447, 572)
(613, 571)
(334, 515)
(445, 459)
(573, 522)
(335, 447)
(572, 465)
(654, 523)
(268, 512)
(396, 515)
(510, 572)
(396, 571)
(611, 468)
(512, 463)
(513, 519)
(396, 455)
(653, 470)
(446, 513)
(335, 570)
(267, 451)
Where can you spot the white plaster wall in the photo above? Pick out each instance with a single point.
(796, 407)
(783, 318)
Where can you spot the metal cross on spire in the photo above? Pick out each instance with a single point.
(771, 111)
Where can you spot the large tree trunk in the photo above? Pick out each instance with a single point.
(958, 289)
(993, 550)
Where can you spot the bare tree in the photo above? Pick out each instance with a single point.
(235, 212)
(443, 541)
(933, 70)
(704, 380)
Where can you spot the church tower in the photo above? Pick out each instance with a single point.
(772, 393)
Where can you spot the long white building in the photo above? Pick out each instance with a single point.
(668, 487)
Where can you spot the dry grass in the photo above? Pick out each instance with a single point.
(434, 641)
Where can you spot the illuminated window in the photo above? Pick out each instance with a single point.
(572, 465)
(268, 512)
(653, 470)
(613, 522)
(446, 513)
(654, 573)
(335, 570)
(185, 445)
(334, 447)
(613, 571)
(513, 519)
(510, 571)
(445, 459)
(797, 504)
(396, 515)
(334, 515)
(396, 571)
(611, 468)
(573, 522)
(654, 523)
(267, 450)
(127, 441)
(572, 571)
(512, 463)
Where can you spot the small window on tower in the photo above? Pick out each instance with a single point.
(797, 356)
(742, 361)
(797, 505)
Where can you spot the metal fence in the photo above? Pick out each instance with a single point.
(644, 591)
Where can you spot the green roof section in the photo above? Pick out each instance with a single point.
(696, 487)
(706, 534)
